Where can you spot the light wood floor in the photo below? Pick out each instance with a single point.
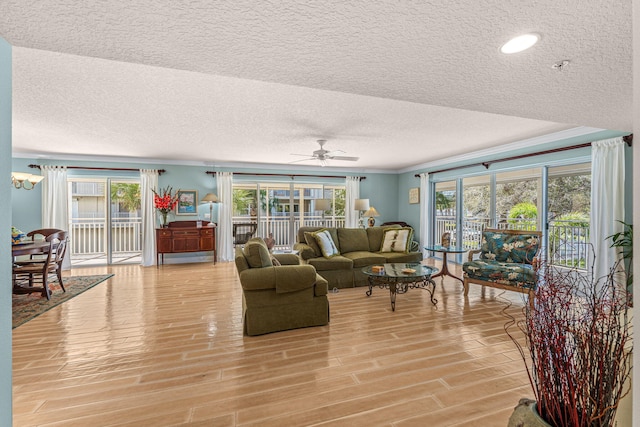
(164, 347)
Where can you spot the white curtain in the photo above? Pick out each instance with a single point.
(148, 182)
(425, 211)
(55, 203)
(352, 193)
(607, 201)
(224, 181)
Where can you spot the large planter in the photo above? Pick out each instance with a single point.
(526, 415)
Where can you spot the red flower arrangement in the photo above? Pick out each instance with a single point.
(165, 202)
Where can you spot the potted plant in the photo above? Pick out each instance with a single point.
(578, 349)
(624, 241)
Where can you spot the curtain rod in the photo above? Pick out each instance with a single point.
(160, 171)
(292, 176)
(627, 138)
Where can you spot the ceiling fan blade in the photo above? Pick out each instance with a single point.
(347, 158)
(332, 152)
(303, 160)
(303, 155)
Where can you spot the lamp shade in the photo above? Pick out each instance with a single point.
(323, 204)
(25, 180)
(210, 197)
(361, 205)
(371, 212)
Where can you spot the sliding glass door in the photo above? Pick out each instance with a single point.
(280, 209)
(446, 195)
(514, 200)
(105, 221)
(518, 199)
(569, 215)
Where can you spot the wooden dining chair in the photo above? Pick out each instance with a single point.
(33, 235)
(44, 232)
(37, 270)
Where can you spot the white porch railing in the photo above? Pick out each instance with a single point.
(568, 244)
(88, 236)
(279, 227)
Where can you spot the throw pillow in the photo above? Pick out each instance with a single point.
(311, 241)
(396, 240)
(257, 254)
(325, 241)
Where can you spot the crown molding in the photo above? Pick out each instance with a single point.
(467, 157)
(501, 149)
(207, 164)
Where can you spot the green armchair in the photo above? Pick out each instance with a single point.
(279, 297)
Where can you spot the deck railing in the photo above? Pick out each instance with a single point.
(88, 236)
(568, 243)
(279, 227)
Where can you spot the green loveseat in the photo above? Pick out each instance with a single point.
(279, 297)
(358, 248)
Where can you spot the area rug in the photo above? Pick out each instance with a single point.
(29, 306)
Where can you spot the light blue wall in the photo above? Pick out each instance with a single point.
(6, 413)
(380, 189)
(26, 205)
(382, 192)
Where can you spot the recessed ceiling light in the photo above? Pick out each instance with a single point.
(520, 43)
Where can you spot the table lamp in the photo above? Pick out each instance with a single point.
(211, 198)
(371, 213)
(323, 205)
(361, 205)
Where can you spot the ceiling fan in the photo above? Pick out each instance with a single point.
(323, 155)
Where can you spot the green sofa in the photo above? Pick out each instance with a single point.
(279, 297)
(358, 248)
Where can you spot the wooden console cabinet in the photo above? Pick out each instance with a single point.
(185, 236)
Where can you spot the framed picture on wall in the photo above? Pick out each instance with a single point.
(187, 202)
(414, 195)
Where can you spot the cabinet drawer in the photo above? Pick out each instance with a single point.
(185, 233)
(206, 232)
(164, 233)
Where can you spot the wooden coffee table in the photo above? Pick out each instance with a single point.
(399, 278)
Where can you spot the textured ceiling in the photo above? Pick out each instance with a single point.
(395, 83)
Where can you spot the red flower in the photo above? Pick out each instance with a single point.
(166, 201)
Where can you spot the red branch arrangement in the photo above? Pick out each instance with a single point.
(579, 346)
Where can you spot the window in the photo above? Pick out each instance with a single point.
(280, 209)
(569, 214)
(513, 199)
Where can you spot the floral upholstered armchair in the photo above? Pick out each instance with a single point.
(508, 260)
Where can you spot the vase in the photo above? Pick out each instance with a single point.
(526, 415)
(163, 218)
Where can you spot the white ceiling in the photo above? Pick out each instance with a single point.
(397, 84)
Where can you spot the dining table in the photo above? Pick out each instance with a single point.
(29, 247)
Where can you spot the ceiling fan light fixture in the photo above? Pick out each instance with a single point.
(520, 43)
